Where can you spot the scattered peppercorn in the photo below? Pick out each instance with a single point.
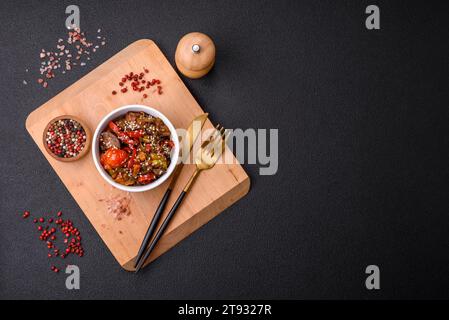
(48, 234)
(138, 83)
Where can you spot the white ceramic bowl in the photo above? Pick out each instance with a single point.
(114, 115)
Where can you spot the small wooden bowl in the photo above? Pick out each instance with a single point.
(86, 146)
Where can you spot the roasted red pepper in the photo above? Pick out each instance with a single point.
(115, 128)
(125, 139)
(135, 134)
(120, 134)
(132, 158)
(146, 178)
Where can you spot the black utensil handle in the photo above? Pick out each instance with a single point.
(161, 230)
(153, 224)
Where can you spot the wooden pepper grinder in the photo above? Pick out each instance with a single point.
(195, 55)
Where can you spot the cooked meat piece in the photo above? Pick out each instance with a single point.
(163, 130)
(165, 133)
(146, 121)
(131, 116)
(109, 140)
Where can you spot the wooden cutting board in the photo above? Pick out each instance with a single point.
(90, 99)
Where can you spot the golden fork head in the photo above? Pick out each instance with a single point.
(209, 153)
(211, 149)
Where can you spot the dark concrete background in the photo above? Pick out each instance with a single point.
(363, 177)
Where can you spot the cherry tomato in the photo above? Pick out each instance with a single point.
(113, 158)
